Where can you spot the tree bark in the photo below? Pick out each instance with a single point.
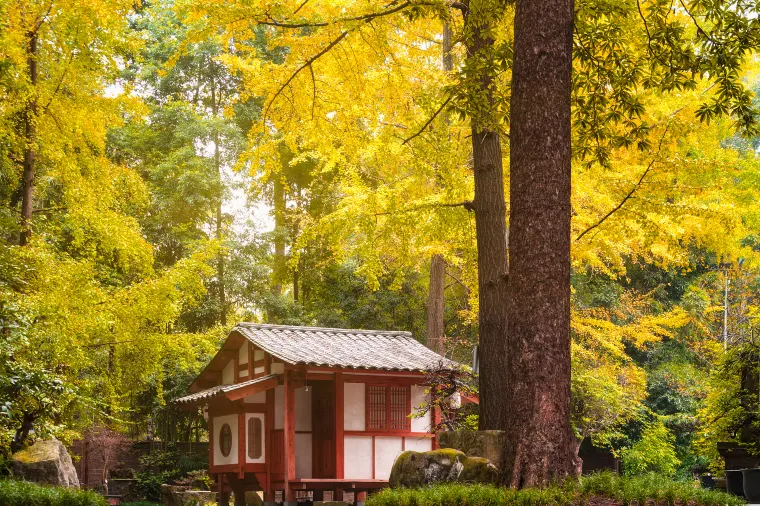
(30, 141)
(539, 440)
(437, 287)
(279, 234)
(219, 224)
(491, 238)
(435, 321)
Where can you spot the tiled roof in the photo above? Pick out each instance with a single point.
(220, 390)
(356, 349)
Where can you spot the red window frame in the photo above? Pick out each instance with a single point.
(387, 407)
(225, 440)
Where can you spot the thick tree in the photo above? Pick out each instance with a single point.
(538, 428)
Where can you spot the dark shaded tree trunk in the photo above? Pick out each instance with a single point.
(491, 238)
(219, 217)
(435, 309)
(540, 443)
(22, 433)
(30, 139)
(437, 287)
(279, 234)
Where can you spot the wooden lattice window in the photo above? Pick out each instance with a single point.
(254, 438)
(225, 440)
(388, 408)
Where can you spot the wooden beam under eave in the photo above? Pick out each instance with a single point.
(255, 388)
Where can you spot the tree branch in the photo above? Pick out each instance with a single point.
(629, 195)
(467, 204)
(307, 64)
(362, 17)
(429, 121)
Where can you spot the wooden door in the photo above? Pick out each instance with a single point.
(323, 429)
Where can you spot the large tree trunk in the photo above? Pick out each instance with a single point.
(30, 139)
(491, 238)
(435, 321)
(539, 443)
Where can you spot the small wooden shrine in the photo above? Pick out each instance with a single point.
(303, 410)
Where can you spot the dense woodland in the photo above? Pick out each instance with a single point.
(170, 168)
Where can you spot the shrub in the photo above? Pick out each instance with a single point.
(624, 491)
(157, 468)
(655, 452)
(22, 493)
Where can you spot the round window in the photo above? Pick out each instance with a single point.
(225, 440)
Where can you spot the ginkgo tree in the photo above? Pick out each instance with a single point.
(355, 75)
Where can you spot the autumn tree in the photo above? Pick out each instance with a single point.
(625, 55)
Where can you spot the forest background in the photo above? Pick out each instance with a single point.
(191, 168)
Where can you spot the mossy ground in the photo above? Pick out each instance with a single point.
(36, 453)
(604, 489)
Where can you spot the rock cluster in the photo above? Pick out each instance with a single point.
(174, 495)
(45, 462)
(415, 469)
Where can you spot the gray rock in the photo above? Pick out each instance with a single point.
(482, 443)
(415, 469)
(176, 495)
(253, 499)
(45, 462)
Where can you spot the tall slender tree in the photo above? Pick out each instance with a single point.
(490, 213)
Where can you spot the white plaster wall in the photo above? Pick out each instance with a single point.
(258, 370)
(303, 455)
(386, 451)
(278, 368)
(257, 398)
(353, 406)
(232, 421)
(279, 407)
(418, 444)
(228, 373)
(418, 397)
(303, 409)
(357, 457)
(261, 459)
(258, 355)
(243, 354)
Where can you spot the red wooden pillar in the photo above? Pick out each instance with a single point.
(241, 442)
(224, 494)
(339, 427)
(211, 441)
(435, 418)
(268, 447)
(289, 437)
(250, 360)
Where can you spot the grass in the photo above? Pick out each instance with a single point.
(22, 493)
(597, 489)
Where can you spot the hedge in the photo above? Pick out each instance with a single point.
(597, 489)
(23, 493)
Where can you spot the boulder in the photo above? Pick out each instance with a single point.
(415, 469)
(178, 495)
(45, 462)
(253, 499)
(482, 443)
